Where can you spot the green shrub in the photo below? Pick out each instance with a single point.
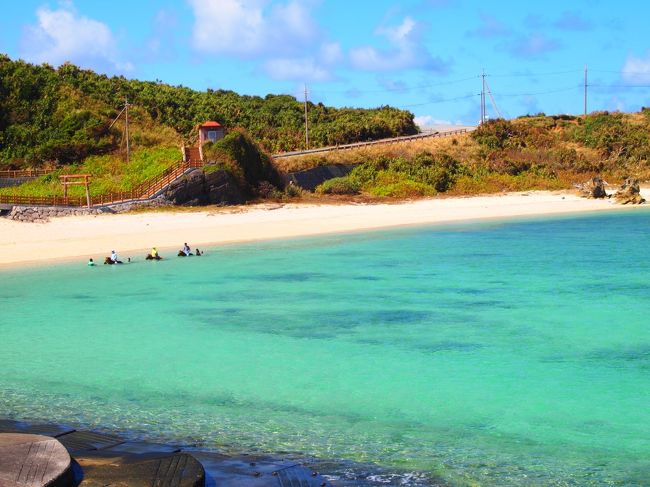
(342, 186)
(292, 191)
(389, 184)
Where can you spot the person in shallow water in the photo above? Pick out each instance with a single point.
(153, 255)
(185, 251)
(198, 252)
(113, 259)
(91, 262)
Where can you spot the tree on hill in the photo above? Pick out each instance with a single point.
(62, 114)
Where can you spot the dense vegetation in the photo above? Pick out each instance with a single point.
(244, 159)
(62, 115)
(532, 152)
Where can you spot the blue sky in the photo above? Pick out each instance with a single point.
(422, 55)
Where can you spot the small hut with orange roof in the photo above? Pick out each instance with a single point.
(210, 132)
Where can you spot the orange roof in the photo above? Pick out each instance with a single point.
(211, 124)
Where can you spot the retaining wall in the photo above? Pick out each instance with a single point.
(41, 214)
(309, 179)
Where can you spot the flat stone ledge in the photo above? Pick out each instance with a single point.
(256, 471)
(10, 426)
(86, 440)
(33, 461)
(177, 470)
(97, 456)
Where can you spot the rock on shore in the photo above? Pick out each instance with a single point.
(629, 193)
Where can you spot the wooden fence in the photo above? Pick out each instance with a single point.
(145, 191)
(24, 173)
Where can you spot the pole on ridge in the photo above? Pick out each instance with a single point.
(483, 114)
(128, 146)
(585, 90)
(306, 122)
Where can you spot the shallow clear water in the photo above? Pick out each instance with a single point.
(509, 353)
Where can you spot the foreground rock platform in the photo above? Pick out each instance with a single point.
(100, 459)
(115, 469)
(28, 460)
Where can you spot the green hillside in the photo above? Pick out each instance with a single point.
(61, 116)
(532, 152)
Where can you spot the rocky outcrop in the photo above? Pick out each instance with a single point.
(200, 188)
(629, 193)
(594, 188)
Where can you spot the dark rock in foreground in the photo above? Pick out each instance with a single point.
(33, 461)
(629, 193)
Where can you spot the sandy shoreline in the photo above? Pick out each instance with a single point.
(133, 234)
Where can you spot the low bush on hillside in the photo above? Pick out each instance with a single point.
(340, 186)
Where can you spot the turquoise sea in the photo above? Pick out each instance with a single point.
(501, 353)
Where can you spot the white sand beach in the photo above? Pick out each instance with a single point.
(134, 234)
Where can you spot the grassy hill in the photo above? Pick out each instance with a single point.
(61, 116)
(533, 152)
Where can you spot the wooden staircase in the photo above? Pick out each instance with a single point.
(193, 155)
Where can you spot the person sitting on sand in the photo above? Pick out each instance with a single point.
(91, 262)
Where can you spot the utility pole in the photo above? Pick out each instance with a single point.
(306, 122)
(483, 114)
(126, 129)
(585, 90)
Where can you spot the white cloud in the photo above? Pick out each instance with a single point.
(405, 51)
(331, 53)
(424, 121)
(251, 27)
(64, 35)
(306, 69)
(160, 44)
(637, 70)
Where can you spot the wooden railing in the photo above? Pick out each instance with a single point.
(43, 200)
(23, 173)
(145, 191)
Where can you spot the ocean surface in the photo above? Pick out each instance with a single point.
(501, 353)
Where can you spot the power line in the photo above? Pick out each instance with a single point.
(385, 90)
(561, 90)
(531, 75)
(619, 86)
(440, 101)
